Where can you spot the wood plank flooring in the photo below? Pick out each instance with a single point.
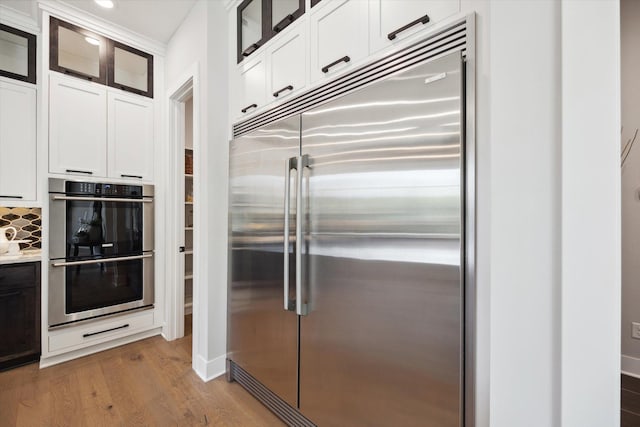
(147, 383)
(629, 401)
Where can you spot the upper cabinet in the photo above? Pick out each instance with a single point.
(99, 131)
(129, 136)
(77, 52)
(260, 20)
(17, 141)
(333, 37)
(393, 21)
(251, 22)
(17, 54)
(77, 127)
(287, 63)
(339, 36)
(81, 53)
(130, 69)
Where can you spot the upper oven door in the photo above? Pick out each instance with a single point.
(96, 227)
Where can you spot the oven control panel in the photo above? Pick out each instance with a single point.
(102, 189)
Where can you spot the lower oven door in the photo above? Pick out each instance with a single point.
(85, 289)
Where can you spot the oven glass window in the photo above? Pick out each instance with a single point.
(103, 284)
(101, 228)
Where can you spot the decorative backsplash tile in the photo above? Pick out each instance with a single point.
(28, 223)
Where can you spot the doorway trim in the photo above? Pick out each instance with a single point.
(185, 87)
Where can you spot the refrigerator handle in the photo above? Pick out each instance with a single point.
(291, 163)
(301, 300)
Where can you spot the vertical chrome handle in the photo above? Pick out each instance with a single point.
(291, 164)
(301, 304)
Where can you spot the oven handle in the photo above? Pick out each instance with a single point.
(99, 261)
(102, 199)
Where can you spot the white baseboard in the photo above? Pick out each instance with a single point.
(210, 369)
(630, 366)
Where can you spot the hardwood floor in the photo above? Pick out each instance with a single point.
(630, 401)
(147, 383)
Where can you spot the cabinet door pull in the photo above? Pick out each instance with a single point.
(10, 197)
(79, 171)
(278, 92)
(422, 20)
(248, 51)
(247, 108)
(105, 331)
(130, 176)
(284, 23)
(325, 69)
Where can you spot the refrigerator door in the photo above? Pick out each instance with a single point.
(381, 340)
(262, 335)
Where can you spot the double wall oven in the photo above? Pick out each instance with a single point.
(100, 249)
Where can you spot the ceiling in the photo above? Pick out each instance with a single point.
(155, 19)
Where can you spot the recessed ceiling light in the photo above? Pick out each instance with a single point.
(92, 41)
(108, 4)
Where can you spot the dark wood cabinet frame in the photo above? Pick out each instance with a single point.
(106, 59)
(54, 51)
(269, 28)
(315, 2)
(111, 69)
(31, 56)
(21, 280)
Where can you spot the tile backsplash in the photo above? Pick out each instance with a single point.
(28, 223)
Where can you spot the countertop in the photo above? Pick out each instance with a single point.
(25, 256)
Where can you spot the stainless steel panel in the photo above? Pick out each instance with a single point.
(262, 333)
(382, 341)
(57, 300)
(58, 220)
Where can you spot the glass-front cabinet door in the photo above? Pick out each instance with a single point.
(17, 54)
(284, 12)
(78, 52)
(251, 31)
(130, 69)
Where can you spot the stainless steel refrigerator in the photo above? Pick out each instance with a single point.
(346, 294)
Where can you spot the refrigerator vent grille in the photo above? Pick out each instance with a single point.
(288, 414)
(450, 39)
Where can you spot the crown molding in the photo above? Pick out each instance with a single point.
(19, 20)
(101, 26)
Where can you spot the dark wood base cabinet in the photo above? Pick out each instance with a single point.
(19, 314)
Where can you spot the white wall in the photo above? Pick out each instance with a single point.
(524, 212)
(202, 39)
(548, 261)
(590, 213)
(630, 70)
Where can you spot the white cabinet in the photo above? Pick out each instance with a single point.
(339, 36)
(77, 127)
(251, 85)
(287, 63)
(18, 159)
(80, 336)
(401, 19)
(130, 136)
(99, 131)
